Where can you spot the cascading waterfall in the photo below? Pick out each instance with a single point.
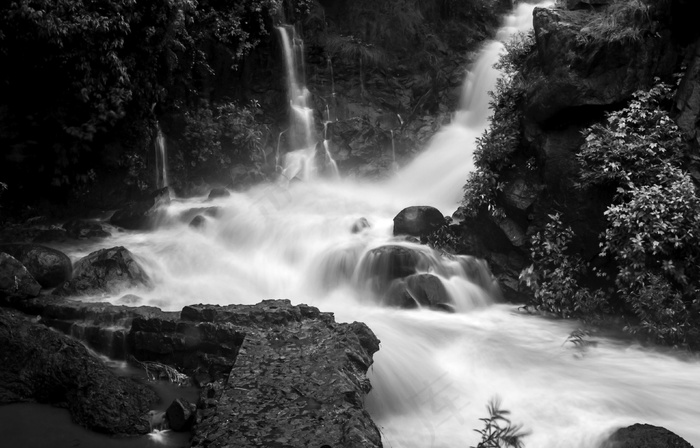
(324, 243)
(161, 158)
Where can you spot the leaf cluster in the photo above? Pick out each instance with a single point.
(499, 431)
(556, 273)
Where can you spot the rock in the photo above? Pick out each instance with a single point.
(645, 436)
(181, 414)
(219, 192)
(688, 97)
(49, 267)
(198, 221)
(15, 279)
(380, 266)
(360, 225)
(601, 72)
(424, 290)
(418, 221)
(304, 378)
(143, 214)
(40, 364)
(85, 229)
(585, 4)
(51, 236)
(520, 194)
(105, 271)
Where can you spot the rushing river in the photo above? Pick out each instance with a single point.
(435, 372)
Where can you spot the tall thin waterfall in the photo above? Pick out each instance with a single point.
(307, 160)
(161, 150)
(329, 243)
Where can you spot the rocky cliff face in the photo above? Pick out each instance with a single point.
(583, 65)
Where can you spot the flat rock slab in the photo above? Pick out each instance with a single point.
(298, 383)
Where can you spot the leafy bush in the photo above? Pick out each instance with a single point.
(218, 136)
(633, 144)
(654, 235)
(555, 274)
(498, 430)
(653, 223)
(501, 139)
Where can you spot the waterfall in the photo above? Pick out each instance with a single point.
(161, 158)
(329, 243)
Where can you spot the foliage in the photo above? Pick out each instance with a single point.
(498, 430)
(654, 235)
(501, 139)
(633, 144)
(653, 223)
(98, 68)
(622, 20)
(556, 273)
(217, 136)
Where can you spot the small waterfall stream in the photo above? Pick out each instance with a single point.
(161, 150)
(435, 371)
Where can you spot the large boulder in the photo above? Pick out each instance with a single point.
(105, 271)
(37, 363)
(15, 279)
(424, 290)
(418, 221)
(380, 266)
(142, 214)
(645, 436)
(50, 267)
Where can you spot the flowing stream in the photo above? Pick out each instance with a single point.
(435, 371)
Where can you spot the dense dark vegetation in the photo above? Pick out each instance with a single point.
(86, 82)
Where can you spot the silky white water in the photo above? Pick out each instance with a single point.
(435, 372)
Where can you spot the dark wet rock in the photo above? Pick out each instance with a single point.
(85, 229)
(15, 280)
(105, 271)
(50, 236)
(602, 72)
(424, 290)
(305, 378)
(188, 215)
(380, 266)
(418, 221)
(219, 193)
(360, 225)
(49, 267)
(645, 436)
(585, 4)
(37, 363)
(198, 221)
(142, 214)
(688, 97)
(181, 415)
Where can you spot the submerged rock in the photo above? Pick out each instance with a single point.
(49, 267)
(40, 364)
(85, 229)
(424, 290)
(418, 221)
(15, 279)
(219, 192)
(105, 271)
(645, 436)
(181, 415)
(380, 266)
